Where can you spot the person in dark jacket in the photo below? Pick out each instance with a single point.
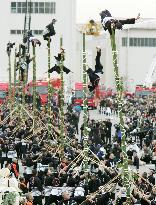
(60, 57)
(135, 160)
(93, 184)
(151, 178)
(35, 186)
(107, 21)
(94, 76)
(49, 31)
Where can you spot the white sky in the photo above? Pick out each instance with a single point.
(90, 9)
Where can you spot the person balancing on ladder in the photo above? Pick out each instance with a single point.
(94, 76)
(107, 20)
(56, 67)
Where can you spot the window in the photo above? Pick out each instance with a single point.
(3, 94)
(40, 32)
(39, 89)
(124, 42)
(30, 7)
(139, 42)
(19, 32)
(13, 7)
(131, 42)
(53, 8)
(154, 42)
(135, 42)
(13, 32)
(23, 7)
(79, 94)
(146, 42)
(35, 32)
(47, 7)
(142, 42)
(41, 7)
(19, 7)
(36, 7)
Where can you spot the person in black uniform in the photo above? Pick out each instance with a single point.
(151, 178)
(35, 186)
(4, 152)
(29, 164)
(56, 67)
(10, 151)
(108, 131)
(49, 31)
(94, 76)
(48, 187)
(23, 64)
(93, 184)
(107, 21)
(9, 47)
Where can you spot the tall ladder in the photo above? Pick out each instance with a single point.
(27, 27)
(27, 20)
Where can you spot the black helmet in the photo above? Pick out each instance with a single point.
(105, 13)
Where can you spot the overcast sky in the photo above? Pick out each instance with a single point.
(89, 9)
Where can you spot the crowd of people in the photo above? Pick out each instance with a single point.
(53, 173)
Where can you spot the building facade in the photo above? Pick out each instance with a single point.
(43, 12)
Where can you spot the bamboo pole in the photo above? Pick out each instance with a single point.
(9, 69)
(85, 110)
(34, 89)
(62, 98)
(15, 76)
(19, 76)
(119, 88)
(49, 92)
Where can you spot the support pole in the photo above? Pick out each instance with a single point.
(62, 98)
(85, 110)
(9, 69)
(19, 89)
(34, 89)
(23, 87)
(15, 64)
(49, 93)
(119, 88)
(19, 76)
